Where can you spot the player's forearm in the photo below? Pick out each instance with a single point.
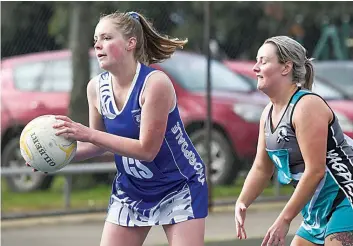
(254, 184)
(86, 151)
(302, 194)
(127, 147)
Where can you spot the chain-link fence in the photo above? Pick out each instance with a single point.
(237, 28)
(32, 31)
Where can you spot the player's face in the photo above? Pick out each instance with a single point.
(110, 45)
(267, 68)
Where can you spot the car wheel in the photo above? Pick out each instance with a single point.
(11, 157)
(224, 170)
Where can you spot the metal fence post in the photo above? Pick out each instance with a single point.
(67, 191)
(208, 125)
(276, 185)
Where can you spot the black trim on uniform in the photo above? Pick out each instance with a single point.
(279, 122)
(310, 93)
(339, 198)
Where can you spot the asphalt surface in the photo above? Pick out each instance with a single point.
(248, 242)
(86, 229)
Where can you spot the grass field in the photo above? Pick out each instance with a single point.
(96, 197)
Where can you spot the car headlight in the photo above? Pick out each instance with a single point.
(345, 123)
(249, 112)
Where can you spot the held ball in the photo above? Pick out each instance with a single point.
(42, 149)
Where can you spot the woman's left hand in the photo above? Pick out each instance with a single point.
(71, 129)
(277, 233)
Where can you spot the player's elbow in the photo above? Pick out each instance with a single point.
(149, 153)
(317, 173)
(149, 157)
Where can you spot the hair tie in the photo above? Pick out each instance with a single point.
(134, 15)
(306, 61)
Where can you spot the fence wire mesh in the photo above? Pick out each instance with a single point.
(237, 30)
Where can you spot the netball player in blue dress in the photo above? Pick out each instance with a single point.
(300, 136)
(133, 113)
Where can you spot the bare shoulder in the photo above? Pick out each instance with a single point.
(92, 91)
(311, 107)
(92, 85)
(265, 112)
(159, 85)
(159, 80)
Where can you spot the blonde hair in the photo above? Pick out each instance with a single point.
(290, 50)
(151, 47)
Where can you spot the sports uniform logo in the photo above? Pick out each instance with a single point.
(282, 135)
(136, 116)
(342, 172)
(188, 152)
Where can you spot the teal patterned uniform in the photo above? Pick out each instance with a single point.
(330, 209)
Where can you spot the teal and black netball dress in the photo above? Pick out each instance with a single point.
(330, 210)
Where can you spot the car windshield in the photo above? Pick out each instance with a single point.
(320, 87)
(190, 72)
(53, 75)
(340, 73)
(326, 91)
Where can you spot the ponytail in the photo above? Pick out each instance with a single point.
(309, 75)
(289, 49)
(151, 47)
(157, 48)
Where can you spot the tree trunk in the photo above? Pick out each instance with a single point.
(79, 42)
(80, 37)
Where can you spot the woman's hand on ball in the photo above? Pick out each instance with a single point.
(71, 129)
(33, 169)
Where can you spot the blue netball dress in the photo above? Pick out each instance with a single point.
(330, 210)
(170, 189)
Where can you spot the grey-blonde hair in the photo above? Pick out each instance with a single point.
(290, 50)
(151, 47)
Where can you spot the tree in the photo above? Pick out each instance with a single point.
(79, 42)
(24, 28)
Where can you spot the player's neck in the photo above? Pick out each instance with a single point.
(124, 74)
(281, 98)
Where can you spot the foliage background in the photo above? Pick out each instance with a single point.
(238, 27)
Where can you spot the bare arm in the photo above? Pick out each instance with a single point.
(261, 170)
(158, 98)
(310, 120)
(86, 150)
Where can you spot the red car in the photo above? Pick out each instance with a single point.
(32, 85)
(338, 100)
(37, 84)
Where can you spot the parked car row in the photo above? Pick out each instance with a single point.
(40, 83)
(335, 93)
(337, 73)
(37, 84)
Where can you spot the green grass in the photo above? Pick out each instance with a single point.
(96, 197)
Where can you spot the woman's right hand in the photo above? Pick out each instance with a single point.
(240, 214)
(33, 169)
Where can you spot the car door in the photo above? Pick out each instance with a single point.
(41, 87)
